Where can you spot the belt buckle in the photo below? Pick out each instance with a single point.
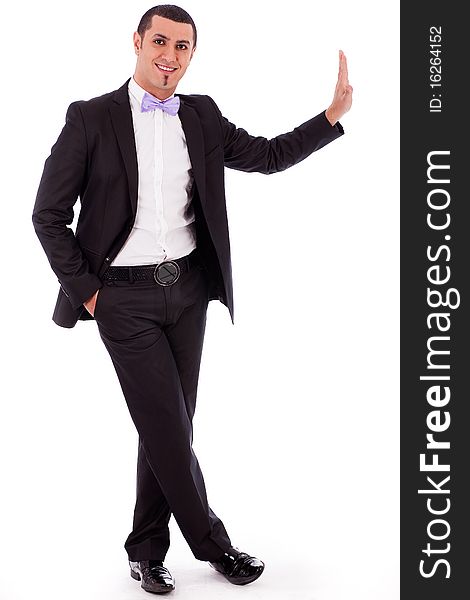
(166, 273)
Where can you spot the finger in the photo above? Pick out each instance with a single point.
(344, 68)
(339, 81)
(340, 67)
(342, 73)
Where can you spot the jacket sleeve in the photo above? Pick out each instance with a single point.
(61, 182)
(245, 152)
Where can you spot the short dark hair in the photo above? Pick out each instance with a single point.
(168, 11)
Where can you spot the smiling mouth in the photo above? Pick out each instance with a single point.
(165, 68)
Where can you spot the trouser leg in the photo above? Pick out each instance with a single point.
(152, 334)
(185, 337)
(150, 535)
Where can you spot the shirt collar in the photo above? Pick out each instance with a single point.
(138, 92)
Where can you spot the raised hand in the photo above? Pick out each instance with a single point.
(342, 98)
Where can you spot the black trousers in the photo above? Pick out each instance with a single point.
(154, 335)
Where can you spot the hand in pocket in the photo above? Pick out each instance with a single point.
(90, 304)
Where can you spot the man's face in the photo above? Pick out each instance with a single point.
(163, 55)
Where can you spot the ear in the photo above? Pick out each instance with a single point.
(137, 43)
(192, 53)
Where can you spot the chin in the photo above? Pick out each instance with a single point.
(157, 85)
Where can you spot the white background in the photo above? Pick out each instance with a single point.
(296, 427)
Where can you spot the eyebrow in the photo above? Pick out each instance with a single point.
(167, 38)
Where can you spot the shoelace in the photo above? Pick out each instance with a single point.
(240, 562)
(159, 571)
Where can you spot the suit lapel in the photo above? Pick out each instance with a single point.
(195, 141)
(121, 116)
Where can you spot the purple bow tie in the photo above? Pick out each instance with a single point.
(170, 105)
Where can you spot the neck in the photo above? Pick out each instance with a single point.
(157, 92)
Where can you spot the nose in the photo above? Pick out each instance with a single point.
(169, 54)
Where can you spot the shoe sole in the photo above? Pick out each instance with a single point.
(164, 590)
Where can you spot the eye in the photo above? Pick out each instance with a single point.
(158, 40)
(182, 47)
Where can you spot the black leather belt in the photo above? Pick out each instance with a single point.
(165, 273)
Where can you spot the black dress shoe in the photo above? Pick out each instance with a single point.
(155, 577)
(238, 567)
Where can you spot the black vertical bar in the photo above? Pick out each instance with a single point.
(435, 259)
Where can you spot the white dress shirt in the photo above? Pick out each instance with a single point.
(164, 226)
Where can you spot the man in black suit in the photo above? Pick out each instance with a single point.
(150, 250)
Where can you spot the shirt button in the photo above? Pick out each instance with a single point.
(107, 259)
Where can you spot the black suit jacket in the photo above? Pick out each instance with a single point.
(95, 159)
